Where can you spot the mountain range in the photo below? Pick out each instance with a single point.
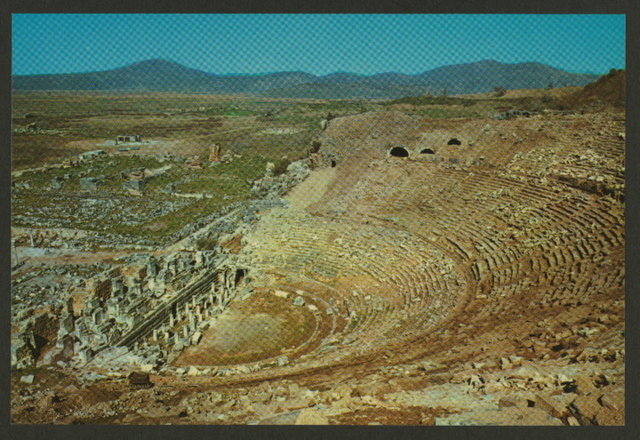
(160, 75)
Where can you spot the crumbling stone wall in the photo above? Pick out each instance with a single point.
(128, 307)
(39, 333)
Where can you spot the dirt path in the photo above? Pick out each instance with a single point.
(312, 188)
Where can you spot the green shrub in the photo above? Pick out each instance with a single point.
(281, 166)
(315, 146)
(206, 244)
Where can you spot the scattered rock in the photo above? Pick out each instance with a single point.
(27, 379)
(281, 293)
(146, 368)
(140, 379)
(196, 337)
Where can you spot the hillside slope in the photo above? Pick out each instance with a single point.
(608, 91)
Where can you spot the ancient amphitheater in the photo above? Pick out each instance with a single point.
(447, 272)
(490, 245)
(483, 255)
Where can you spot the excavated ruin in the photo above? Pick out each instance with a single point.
(408, 256)
(480, 281)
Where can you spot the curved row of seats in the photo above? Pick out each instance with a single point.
(409, 253)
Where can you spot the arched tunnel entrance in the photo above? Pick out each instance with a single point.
(427, 151)
(399, 152)
(454, 141)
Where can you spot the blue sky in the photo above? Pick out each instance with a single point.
(318, 44)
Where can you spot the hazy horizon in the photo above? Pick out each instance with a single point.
(232, 44)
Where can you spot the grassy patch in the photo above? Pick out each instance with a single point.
(242, 125)
(226, 179)
(110, 208)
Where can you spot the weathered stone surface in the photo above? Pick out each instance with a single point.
(311, 416)
(551, 406)
(609, 417)
(513, 401)
(503, 417)
(505, 363)
(585, 386)
(613, 399)
(585, 408)
(572, 421)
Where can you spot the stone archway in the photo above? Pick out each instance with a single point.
(399, 152)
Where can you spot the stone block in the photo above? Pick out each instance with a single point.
(609, 417)
(613, 399)
(585, 386)
(585, 408)
(513, 401)
(551, 406)
(572, 421)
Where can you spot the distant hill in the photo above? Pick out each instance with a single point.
(346, 90)
(166, 76)
(483, 76)
(160, 76)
